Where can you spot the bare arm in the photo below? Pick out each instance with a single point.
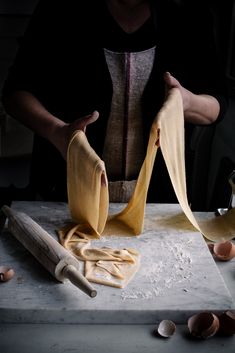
(27, 109)
(199, 109)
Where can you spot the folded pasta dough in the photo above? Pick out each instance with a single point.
(88, 203)
(111, 273)
(87, 197)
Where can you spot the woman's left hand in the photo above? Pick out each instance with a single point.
(202, 109)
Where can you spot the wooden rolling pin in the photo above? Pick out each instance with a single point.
(49, 252)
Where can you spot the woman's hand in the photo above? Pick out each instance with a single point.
(172, 82)
(64, 131)
(65, 134)
(199, 109)
(27, 109)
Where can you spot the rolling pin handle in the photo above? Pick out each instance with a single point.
(70, 272)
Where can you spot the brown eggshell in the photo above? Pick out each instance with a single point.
(211, 247)
(166, 328)
(203, 325)
(227, 323)
(224, 251)
(6, 273)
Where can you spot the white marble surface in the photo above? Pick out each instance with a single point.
(178, 276)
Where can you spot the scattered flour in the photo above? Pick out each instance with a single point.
(168, 266)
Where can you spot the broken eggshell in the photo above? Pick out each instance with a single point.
(224, 251)
(6, 273)
(211, 247)
(166, 328)
(227, 323)
(203, 325)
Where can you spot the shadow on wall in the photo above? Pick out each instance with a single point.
(214, 148)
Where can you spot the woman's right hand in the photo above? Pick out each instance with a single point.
(64, 131)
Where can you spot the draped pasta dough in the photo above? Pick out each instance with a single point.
(172, 145)
(88, 203)
(89, 200)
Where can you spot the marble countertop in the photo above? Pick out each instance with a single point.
(192, 282)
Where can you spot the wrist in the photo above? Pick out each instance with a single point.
(57, 135)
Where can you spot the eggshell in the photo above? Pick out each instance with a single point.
(166, 328)
(203, 325)
(6, 273)
(224, 251)
(227, 323)
(211, 247)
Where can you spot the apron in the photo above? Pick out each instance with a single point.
(124, 151)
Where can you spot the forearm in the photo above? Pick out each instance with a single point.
(201, 109)
(26, 108)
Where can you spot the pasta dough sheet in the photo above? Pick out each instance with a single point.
(172, 145)
(111, 273)
(88, 199)
(86, 170)
(88, 202)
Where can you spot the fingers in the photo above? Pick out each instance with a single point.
(167, 75)
(82, 123)
(170, 80)
(167, 78)
(173, 82)
(91, 118)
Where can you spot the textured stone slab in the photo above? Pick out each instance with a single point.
(177, 277)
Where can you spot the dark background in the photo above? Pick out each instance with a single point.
(15, 140)
(214, 147)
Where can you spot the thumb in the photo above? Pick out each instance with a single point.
(91, 118)
(170, 80)
(87, 120)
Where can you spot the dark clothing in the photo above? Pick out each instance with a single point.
(61, 61)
